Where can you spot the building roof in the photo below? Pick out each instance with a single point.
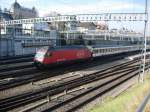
(6, 16)
(86, 24)
(16, 5)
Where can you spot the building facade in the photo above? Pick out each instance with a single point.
(5, 16)
(19, 12)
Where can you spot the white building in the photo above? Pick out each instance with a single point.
(37, 29)
(5, 16)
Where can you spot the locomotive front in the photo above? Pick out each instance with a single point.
(41, 54)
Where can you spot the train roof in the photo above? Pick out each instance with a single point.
(67, 47)
(78, 47)
(105, 46)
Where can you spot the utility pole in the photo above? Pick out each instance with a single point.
(0, 40)
(141, 76)
(0, 35)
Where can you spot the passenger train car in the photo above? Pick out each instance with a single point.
(50, 56)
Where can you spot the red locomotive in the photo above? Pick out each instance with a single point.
(50, 56)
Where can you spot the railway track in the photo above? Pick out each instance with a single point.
(16, 57)
(30, 69)
(11, 67)
(18, 60)
(53, 90)
(28, 75)
(71, 100)
(73, 103)
(13, 64)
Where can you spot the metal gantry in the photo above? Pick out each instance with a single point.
(81, 18)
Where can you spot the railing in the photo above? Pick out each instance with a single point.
(143, 103)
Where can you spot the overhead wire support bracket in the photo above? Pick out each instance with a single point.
(81, 18)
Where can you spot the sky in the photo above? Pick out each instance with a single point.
(79, 6)
(83, 7)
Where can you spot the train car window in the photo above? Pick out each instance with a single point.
(48, 54)
(117, 49)
(114, 49)
(101, 50)
(105, 50)
(95, 51)
(109, 50)
(98, 50)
